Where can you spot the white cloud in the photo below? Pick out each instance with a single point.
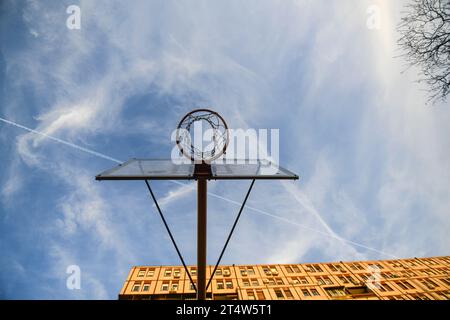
(13, 183)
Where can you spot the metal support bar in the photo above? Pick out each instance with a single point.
(201, 237)
(231, 232)
(170, 234)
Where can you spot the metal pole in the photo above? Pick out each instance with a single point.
(201, 238)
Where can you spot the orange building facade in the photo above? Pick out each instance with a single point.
(403, 279)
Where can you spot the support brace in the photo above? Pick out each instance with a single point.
(231, 232)
(170, 235)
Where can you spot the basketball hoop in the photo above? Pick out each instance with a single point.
(219, 135)
(200, 168)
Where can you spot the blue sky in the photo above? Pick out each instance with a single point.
(374, 159)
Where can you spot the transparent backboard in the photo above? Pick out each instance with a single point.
(151, 169)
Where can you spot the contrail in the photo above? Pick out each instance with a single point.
(306, 203)
(259, 211)
(330, 235)
(98, 154)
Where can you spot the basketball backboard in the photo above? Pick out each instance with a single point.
(201, 164)
(151, 169)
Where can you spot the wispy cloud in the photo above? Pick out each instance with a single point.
(177, 193)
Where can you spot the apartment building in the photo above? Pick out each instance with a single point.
(403, 279)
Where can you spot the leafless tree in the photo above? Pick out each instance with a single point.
(425, 41)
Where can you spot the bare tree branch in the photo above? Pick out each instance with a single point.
(425, 40)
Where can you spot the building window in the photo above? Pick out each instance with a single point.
(314, 268)
(356, 266)
(411, 263)
(409, 285)
(442, 271)
(324, 280)
(419, 297)
(336, 292)
(405, 285)
(146, 287)
(194, 271)
(309, 268)
(243, 272)
(246, 283)
(167, 272)
(289, 269)
(176, 273)
(314, 292)
(165, 286)
(376, 266)
(220, 285)
(150, 272)
(306, 293)
(349, 278)
(303, 280)
(295, 280)
(429, 284)
(409, 274)
(251, 271)
(255, 282)
(226, 272)
(229, 284)
(288, 294)
(395, 264)
(174, 286)
(260, 295)
(373, 266)
(385, 287)
(279, 281)
(266, 271)
(279, 294)
(443, 296)
(335, 267)
(251, 295)
(365, 277)
(296, 269)
(136, 287)
(429, 272)
(141, 273)
(274, 270)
